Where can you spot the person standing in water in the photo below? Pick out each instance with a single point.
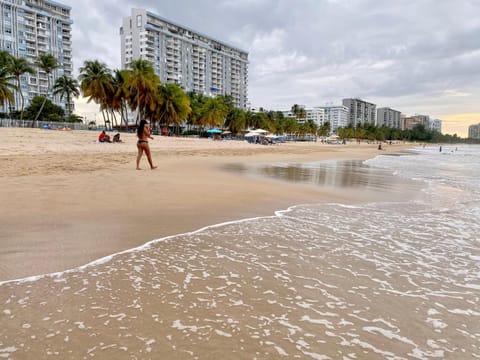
(143, 134)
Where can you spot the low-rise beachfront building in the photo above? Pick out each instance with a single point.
(409, 122)
(336, 115)
(360, 111)
(388, 117)
(184, 56)
(474, 131)
(300, 119)
(30, 28)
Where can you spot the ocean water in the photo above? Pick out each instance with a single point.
(395, 277)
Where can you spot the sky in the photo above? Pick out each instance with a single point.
(415, 56)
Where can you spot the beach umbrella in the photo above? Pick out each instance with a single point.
(260, 131)
(226, 132)
(250, 134)
(214, 131)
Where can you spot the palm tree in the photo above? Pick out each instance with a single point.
(299, 112)
(236, 120)
(197, 100)
(4, 56)
(96, 83)
(47, 63)
(324, 129)
(66, 86)
(142, 86)
(174, 105)
(214, 112)
(18, 67)
(120, 93)
(5, 85)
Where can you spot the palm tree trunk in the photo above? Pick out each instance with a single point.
(114, 119)
(68, 105)
(122, 115)
(44, 101)
(21, 97)
(125, 114)
(39, 111)
(104, 120)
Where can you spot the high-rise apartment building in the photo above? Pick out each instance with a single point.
(30, 28)
(474, 131)
(360, 111)
(435, 125)
(388, 117)
(337, 116)
(184, 56)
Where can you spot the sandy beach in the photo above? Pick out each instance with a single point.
(263, 251)
(68, 200)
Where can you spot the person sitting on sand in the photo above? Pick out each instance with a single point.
(103, 137)
(116, 138)
(143, 133)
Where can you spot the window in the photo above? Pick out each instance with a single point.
(139, 20)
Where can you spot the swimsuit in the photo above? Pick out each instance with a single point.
(142, 141)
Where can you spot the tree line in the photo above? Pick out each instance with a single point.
(140, 90)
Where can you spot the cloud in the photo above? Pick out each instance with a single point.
(419, 56)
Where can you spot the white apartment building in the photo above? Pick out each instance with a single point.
(30, 28)
(184, 56)
(435, 125)
(388, 117)
(337, 116)
(360, 111)
(316, 115)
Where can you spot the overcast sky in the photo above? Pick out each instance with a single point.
(415, 56)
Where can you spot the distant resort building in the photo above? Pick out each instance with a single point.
(336, 115)
(409, 122)
(316, 115)
(360, 111)
(435, 125)
(180, 55)
(474, 131)
(339, 116)
(388, 117)
(30, 28)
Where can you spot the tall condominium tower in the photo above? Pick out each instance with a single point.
(388, 117)
(30, 28)
(474, 131)
(184, 56)
(361, 112)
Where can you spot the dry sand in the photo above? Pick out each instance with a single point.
(67, 200)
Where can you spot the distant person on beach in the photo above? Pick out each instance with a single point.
(143, 133)
(440, 149)
(116, 138)
(380, 146)
(104, 137)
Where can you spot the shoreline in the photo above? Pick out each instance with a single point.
(70, 201)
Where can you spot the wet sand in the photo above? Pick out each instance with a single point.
(68, 200)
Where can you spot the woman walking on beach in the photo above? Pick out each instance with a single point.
(143, 133)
